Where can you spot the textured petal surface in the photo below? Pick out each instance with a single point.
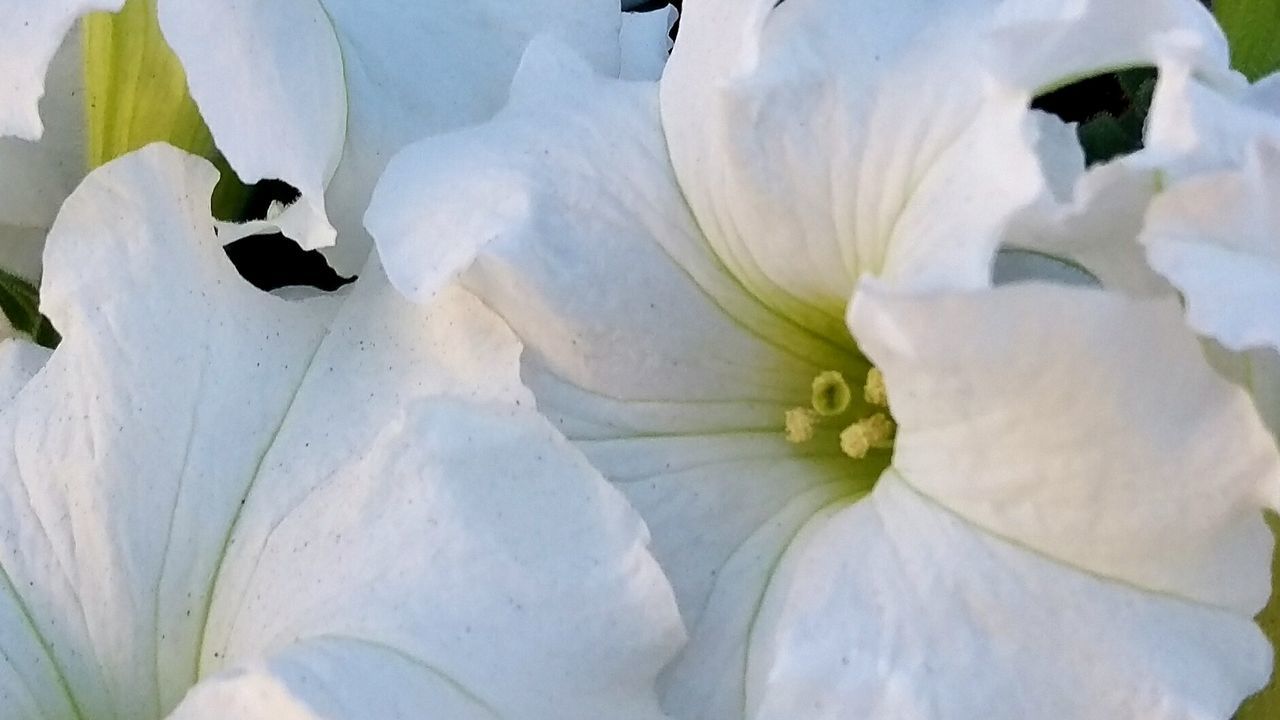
(818, 141)
(346, 80)
(1217, 238)
(268, 76)
(208, 482)
(33, 31)
(640, 345)
(1139, 464)
(897, 608)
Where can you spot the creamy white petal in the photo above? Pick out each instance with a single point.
(898, 608)
(19, 362)
(204, 477)
(625, 299)
(820, 141)
(1098, 226)
(286, 687)
(646, 43)
(35, 177)
(33, 30)
(1199, 124)
(1044, 45)
(1217, 238)
(310, 83)
(639, 345)
(268, 76)
(469, 543)
(1138, 464)
(1097, 223)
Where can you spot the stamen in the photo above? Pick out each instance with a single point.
(869, 433)
(831, 394)
(801, 423)
(874, 391)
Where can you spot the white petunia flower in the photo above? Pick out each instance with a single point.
(218, 503)
(901, 496)
(317, 93)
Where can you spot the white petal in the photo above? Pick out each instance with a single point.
(1098, 226)
(818, 142)
(625, 300)
(268, 76)
(639, 345)
(1217, 238)
(1082, 425)
(35, 177)
(313, 82)
(646, 43)
(1084, 229)
(1044, 45)
(361, 679)
(526, 580)
(33, 30)
(896, 608)
(1203, 125)
(204, 475)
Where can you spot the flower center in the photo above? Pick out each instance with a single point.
(832, 401)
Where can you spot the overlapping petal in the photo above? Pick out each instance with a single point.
(34, 30)
(896, 607)
(1202, 119)
(669, 364)
(302, 89)
(37, 176)
(890, 189)
(1217, 238)
(797, 133)
(293, 505)
(1061, 570)
(1150, 476)
(640, 345)
(321, 94)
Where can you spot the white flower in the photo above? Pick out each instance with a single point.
(317, 93)
(1068, 524)
(217, 503)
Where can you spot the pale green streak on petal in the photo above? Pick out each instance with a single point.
(1266, 704)
(135, 88)
(1253, 29)
(136, 94)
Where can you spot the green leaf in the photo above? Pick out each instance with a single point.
(1253, 28)
(20, 302)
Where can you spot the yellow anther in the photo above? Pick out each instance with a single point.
(869, 433)
(831, 394)
(874, 391)
(801, 423)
